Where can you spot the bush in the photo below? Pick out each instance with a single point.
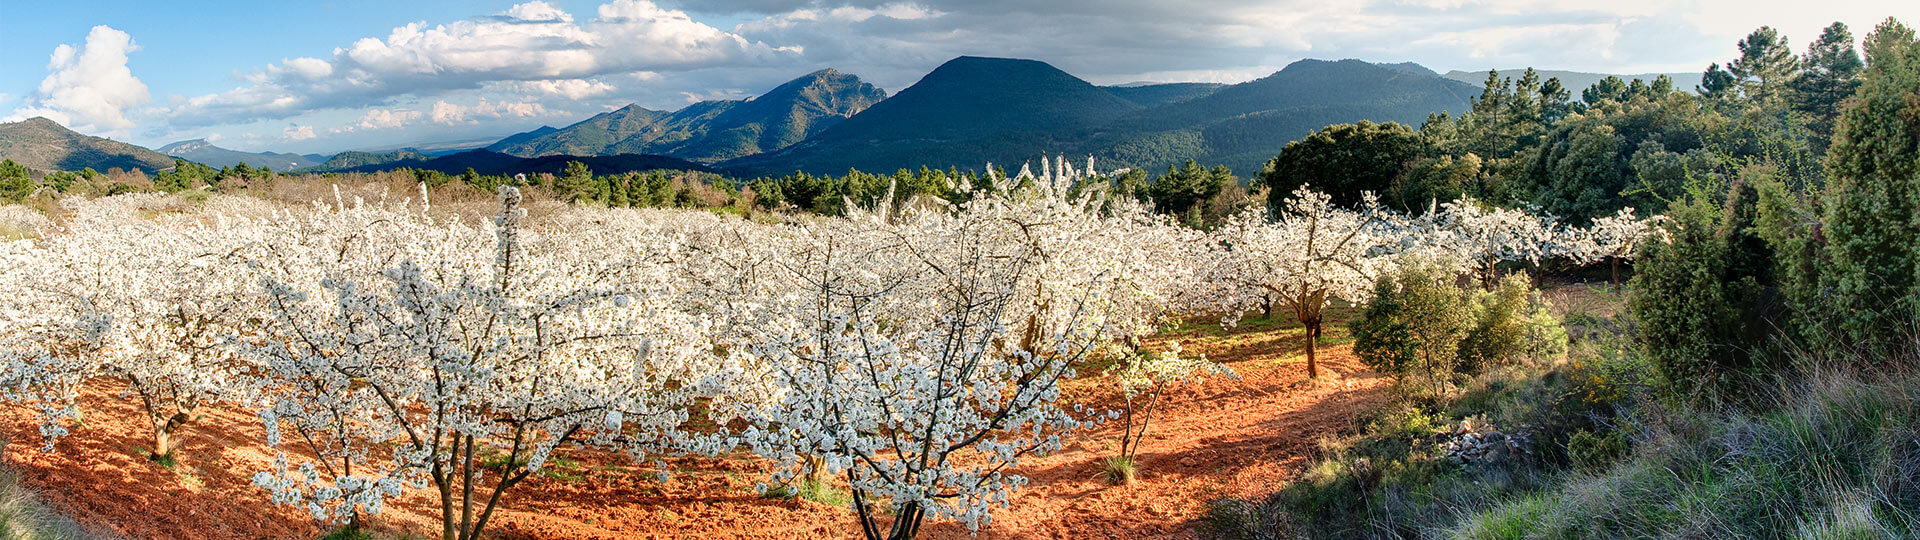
(1420, 321)
(1832, 454)
(1705, 301)
(1511, 323)
(1414, 324)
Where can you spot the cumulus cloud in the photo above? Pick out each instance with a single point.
(534, 43)
(387, 119)
(89, 89)
(567, 88)
(453, 113)
(297, 133)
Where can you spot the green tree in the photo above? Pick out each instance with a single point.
(1344, 160)
(1181, 190)
(576, 183)
(1766, 66)
(1829, 73)
(1869, 223)
(15, 182)
(1718, 85)
(1414, 325)
(1701, 298)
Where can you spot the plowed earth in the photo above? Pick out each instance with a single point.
(1221, 438)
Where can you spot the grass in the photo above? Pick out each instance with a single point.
(815, 491)
(1119, 471)
(1830, 455)
(1836, 456)
(24, 517)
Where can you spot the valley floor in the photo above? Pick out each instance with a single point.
(1222, 438)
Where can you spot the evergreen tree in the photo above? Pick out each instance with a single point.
(15, 182)
(1766, 65)
(1872, 246)
(576, 183)
(1717, 84)
(1829, 73)
(1344, 160)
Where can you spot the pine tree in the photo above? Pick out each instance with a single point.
(1829, 73)
(1766, 65)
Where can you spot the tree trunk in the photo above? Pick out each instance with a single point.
(1313, 346)
(1615, 262)
(163, 441)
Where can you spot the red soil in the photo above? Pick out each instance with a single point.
(1220, 438)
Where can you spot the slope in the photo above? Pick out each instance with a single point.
(45, 145)
(205, 153)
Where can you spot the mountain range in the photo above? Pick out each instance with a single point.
(205, 153)
(45, 145)
(973, 110)
(965, 113)
(709, 131)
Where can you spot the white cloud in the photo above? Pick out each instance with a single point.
(89, 89)
(567, 88)
(454, 113)
(537, 11)
(535, 43)
(387, 119)
(297, 133)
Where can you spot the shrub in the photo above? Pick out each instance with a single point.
(1414, 324)
(1705, 301)
(1422, 322)
(1511, 323)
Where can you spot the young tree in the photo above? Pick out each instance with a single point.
(1314, 253)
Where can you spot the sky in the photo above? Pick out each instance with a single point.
(321, 77)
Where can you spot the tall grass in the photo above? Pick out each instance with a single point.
(24, 517)
(1836, 456)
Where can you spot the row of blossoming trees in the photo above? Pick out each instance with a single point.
(916, 348)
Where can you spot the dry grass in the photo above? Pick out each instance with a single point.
(24, 517)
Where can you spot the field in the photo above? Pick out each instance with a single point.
(1222, 438)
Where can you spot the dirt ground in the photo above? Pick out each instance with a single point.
(1221, 438)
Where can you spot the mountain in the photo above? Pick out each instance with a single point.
(353, 159)
(1574, 81)
(199, 150)
(973, 110)
(45, 145)
(710, 131)
(1243, 125)
(1161, 94)
(518, 138)
(967, 111)
(494, 163)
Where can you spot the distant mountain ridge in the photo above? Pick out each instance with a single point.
(709, 131)
(489, 162)
(205, 153)
(44, 145)
(973, 110)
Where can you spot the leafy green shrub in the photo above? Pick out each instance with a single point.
(1421, 322)
(1414, 325)
(1511, 323)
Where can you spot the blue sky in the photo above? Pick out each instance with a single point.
(329, 76)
